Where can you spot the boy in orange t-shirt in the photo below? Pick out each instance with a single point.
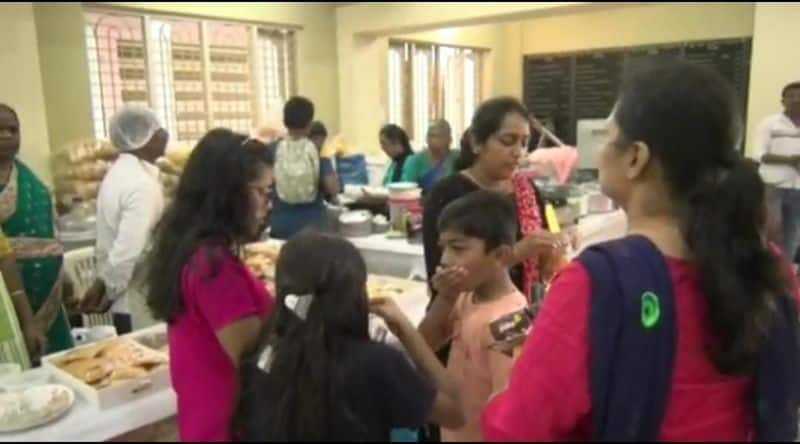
(477, 234)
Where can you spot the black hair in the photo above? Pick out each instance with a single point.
(467, 156)
(302, 394)
(441, 123)
(11, 110)
(487, 120)
(317, 129)
(689, 118)
(298, 113)
(396, 134)
(265, 152)
(485, 215)
(789, 87)
(211, 208)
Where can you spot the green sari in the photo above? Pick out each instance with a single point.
(26, 214)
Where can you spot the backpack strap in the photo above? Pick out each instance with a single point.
(777, 380)
(632, 338)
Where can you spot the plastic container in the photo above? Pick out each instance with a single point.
(355, 224)
(404, 198)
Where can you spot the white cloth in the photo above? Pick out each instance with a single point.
(778, 135)
(130, 203)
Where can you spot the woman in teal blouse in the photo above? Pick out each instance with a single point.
(436, 162)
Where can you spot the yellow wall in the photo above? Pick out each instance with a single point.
(775, 60)
(511, 30)
(53, 32)
(21, 84)
(65, 76)
(363, 31)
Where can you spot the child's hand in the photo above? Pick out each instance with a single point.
(388, 310)
(449, 282)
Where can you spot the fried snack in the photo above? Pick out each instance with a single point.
(102, 383)
(109, 361)
(130, 372)
(89, 370)
(83, 353)
(382, 290)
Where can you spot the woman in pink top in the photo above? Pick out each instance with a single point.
(213, 305)
(671, 163)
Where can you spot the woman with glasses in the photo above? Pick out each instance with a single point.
(213, 305)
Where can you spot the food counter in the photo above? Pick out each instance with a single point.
(84, 421)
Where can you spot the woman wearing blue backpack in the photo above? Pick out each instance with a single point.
(684, 330)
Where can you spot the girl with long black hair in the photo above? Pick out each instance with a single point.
(316, 375)
(213, 305)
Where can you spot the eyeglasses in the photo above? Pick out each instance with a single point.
(265, 193)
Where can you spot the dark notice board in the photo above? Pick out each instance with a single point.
(584, 85)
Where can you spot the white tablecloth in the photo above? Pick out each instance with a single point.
(391, 257)
(85, 423)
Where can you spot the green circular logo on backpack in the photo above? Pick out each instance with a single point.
(651, 311)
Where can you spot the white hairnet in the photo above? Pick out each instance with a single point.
(132, 127)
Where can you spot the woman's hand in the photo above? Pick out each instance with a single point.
(35, 340)
(537, 244)
(95, 298)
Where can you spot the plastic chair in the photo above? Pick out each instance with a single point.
(80, 268)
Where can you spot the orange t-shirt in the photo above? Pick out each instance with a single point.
(478, 370)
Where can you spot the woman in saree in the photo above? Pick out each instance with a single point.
(22, 339)
(26, 217)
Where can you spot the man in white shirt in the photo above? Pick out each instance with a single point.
(778, 149)
(129, 204)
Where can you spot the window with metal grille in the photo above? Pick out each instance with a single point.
(195, 74)
(428, 82)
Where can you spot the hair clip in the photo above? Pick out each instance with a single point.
(298, 304)
(265, 359)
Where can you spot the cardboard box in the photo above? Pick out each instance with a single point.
(117, 393)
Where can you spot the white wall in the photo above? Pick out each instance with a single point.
(775, 60)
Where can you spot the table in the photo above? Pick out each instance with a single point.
(85, 422)
(387, 256)
(391, 256)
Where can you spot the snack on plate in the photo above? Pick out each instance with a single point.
(90, 370)
(103, 363)
(377, 288)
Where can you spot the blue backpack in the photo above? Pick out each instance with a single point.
(632, 340)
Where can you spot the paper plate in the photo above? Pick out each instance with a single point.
(34, 407)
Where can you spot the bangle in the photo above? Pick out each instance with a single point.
(15, 292)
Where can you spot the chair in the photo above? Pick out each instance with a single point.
(80, 268)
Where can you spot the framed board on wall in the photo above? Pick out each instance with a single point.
(569, 87)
